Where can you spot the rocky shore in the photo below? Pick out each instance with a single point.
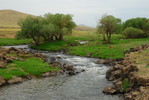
(127, 77)
(8, 55)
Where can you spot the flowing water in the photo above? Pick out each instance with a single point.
(87, 85)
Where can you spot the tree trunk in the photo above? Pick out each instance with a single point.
(61, 36)
(51, 37)
(36, 42)
(56, 37)
(104, 38)
(108, 37)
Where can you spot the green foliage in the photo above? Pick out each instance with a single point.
(125, 84)
(139, 23)
(30, 28)
(108, 24)
(135, 22)
(33, 66)
(47, 28)
(131, 32)
(10, 41)
(146, 29)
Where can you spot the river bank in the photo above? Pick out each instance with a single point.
(130, 75)
(18, 65)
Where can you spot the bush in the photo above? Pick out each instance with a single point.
(131, 32)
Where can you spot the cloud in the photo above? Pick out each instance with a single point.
(84, 11)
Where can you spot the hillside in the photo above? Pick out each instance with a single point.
(9, 24)
(10, 18)
(84, 28)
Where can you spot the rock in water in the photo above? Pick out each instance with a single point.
(109, 90)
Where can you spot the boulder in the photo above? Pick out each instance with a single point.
(116, 74)
(68, 67)
(2, 64)
(128, 96)
(108, 73)
(48, 74)
(118, 86)
(117, 66)
(52, 59)
(15, 80)
(8, 60)
(88, 54)
(57, 64)
(142, 81)
(101, 61)
(2, 81)
(135, 95)
(13, 49)
(72, 73)
(105, 61)
(109, 90)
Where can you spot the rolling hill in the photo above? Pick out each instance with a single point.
(10, 18)
(84, 28)
(9, 24)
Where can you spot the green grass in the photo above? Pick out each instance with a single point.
(147, 66)
(108, 51)
(58, 45)
(10, 41)
(125, 84)
(31, 66)
(51, 46)
(113, 50)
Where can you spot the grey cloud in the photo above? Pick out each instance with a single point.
(85, 11)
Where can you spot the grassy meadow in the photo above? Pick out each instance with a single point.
(29, 66)
(94, 47)
(8, 32)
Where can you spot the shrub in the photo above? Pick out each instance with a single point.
(131, 32)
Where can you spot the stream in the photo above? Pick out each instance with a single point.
(86, 85)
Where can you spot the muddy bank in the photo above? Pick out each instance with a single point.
(125, 78)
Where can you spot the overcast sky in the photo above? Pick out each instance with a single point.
(85, 12)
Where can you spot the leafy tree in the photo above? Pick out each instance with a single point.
(131, 32)
(139, 23)
(62, 24)
(135, 22)
(109, 24)
(146, 28)
(30, 28)
(46, 28)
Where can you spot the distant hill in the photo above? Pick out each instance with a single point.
(84, 28)
(10, 18)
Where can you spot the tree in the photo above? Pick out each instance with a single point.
(46, 28)
(135, 22)
(30, 28)
(62, 24)
(146, 28)
(131, 32)
(109, 24)
(139, 23)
